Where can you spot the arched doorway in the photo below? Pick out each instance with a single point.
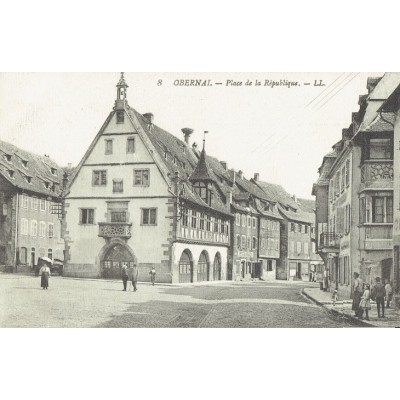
(186, 267)
(113, 260)
(386, 265)
(217, 267)
(203, 267)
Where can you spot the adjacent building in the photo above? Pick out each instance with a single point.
(354, 194)
(30, 209)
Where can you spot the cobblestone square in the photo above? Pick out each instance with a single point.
(101, 303)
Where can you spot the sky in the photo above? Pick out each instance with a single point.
(280, 132)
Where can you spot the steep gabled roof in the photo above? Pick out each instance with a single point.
(181, 158)
(202, 170)
(278, 194)
(30, 172)
(306, 205)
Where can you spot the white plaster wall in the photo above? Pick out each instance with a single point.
(196, 249)
(146, 241)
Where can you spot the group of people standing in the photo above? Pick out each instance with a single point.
(363, 294)
(130, 274)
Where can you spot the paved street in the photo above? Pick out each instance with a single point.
(91, 303)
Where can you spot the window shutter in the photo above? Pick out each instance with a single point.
(340, 221)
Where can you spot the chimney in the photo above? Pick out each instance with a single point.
(149, 117)
(69, 165)
(187, 132)
(240, 173)
(224, 164)
(371, 83)
(256, 176)
(294, 198)
(230, 196)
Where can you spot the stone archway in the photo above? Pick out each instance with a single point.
(186, 267)
(113, 256)
(203, 267)
(217, 267)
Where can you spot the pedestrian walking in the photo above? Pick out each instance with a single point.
(388, 293)
(44, 273)
(365, 302)
(135, 274)
(334, 297)
(124, 275)
(378, 294)
(130, 277)
(325, 280)
(153, 275)
(357, 293)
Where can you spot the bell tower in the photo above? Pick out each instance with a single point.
(121, 102)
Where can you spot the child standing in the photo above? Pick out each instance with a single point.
(365, 303)
(389, 293)
(334, 297)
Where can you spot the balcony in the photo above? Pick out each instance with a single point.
(376, 237)
(329, 242)
(115, 230)
(377, 174)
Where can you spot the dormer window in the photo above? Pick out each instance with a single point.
(204, 191)
(175, 160)
(165, 155)
(120, 117)
(8, 157)
(10, 173)
(46, 184)
(53, 171)
(28, 178)
(24, 163)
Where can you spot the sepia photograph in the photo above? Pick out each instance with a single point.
(195, 200)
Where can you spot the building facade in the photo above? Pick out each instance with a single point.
(142, 196)
(31, 213)
(355, 219)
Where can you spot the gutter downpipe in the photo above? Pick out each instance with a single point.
(16, 234)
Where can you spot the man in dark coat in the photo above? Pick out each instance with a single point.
(378, 294)
(124, 275)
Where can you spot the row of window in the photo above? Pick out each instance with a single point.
(300, 228)
(141, 177)
(270, 225)
(109, 146)
(340, 181)
(246, 242)
(148, 216)
(269, 244)
(301, 248)
(376, 209)
(243, 220)
(202, 221)
(33, 231)
(23, 255)
(34, 203)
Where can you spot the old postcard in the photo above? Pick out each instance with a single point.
(214, 200)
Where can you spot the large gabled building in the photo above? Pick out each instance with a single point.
(141, 195)
(30, 208)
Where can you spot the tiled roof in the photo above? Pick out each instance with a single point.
(277, 194)
(299, 216)
(307, 205)
(30, 172)
(202, 170)
(380, 124)
(181, 158)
